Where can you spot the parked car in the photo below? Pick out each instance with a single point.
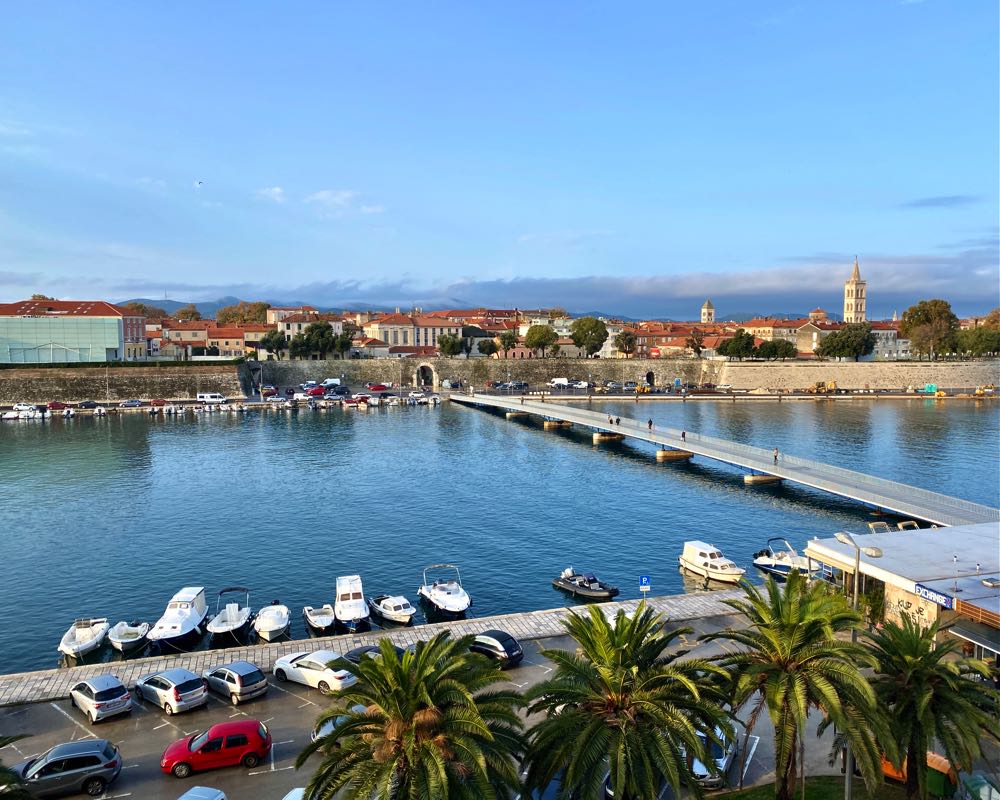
(316, 391)
(327, 727)
(300, 396)
(630, 386)
(720, 757)
(268, 391)
(130, 404)
(326, 384)
(289, 392)
(416, 395)
(369, 651)
(101, 697)
(57, 405)
(23, 407)
(88, 766)
(305, 387)
(310, 668)
(580, 385)
(376, 387)
(87, 404)
(227, 744)
(238, 680)
(274, 398)
(343, 391)
(158, 402)
(499, 646)
(174, 690)
(203, 793)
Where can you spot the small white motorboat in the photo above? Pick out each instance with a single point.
(68, 412)
(128, 637)
(182, 620)
(320, 619)
(231, 618)
(9, 415)
(779, 558)
(350, 606)
(706, 560)
(272, 621)
(100, 411)
(446, 593)
(392, 607)
(84, 636)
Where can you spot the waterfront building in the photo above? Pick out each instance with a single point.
(367, 347)
(276, 314)
(228, 341)
(707, 312)
(855, 300)
(404, 330)
(948, 575)
(293, 324)
(60, 331)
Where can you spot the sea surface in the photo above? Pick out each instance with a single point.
(109, 517)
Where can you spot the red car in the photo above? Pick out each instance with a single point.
(227, 744)
(157, 403)
(376, 387)
(316, 391)
(57, 405)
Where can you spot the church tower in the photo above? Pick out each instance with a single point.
(708, 312)
(854, 297)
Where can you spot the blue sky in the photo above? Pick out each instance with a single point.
(627, 157)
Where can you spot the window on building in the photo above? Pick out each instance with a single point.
(406, 337)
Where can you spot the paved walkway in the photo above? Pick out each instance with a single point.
(908, 501)
(53, 684)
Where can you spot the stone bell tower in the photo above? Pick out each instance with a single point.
(708, 312)
(855, 297)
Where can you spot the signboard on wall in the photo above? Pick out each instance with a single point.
(941, 599)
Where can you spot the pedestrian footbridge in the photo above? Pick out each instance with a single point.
(882, 494)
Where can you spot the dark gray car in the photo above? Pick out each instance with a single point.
(238, 681)
(86, 766)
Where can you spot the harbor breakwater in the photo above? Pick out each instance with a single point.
(115, 383)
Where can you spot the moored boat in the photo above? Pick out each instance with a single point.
(321, 618)
(84, 636)
(128, 637)
(272, 621)
(584, 584)
(779, 558)
(182, 620)
(231, 618)
(350, 606)
(706, 560)
(395, 608)
(446, 594)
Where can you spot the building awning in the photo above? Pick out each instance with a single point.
(977, 633)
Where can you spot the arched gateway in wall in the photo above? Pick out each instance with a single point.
(425, 375)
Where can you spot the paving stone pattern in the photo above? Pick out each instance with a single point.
(53, 684)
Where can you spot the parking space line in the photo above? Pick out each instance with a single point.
(287, 741)
(75, 722)
(293, 694)
(749, 758)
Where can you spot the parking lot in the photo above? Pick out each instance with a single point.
(289, 710)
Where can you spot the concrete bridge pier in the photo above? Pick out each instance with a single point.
(601, 436)
(555, 424)
(515, 414)
(758, 480)
(673, 455)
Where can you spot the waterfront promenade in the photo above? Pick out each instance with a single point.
(880, 493)
(54, 684)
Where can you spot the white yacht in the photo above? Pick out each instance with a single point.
(231, 618)
(707, 560)
(272, 621)
(84, 636)
(350, 606)
(181, 622)
(444, 592)
(392, 607)
(778, 560)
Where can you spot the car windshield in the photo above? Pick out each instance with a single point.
(109, 751)
(197, 741)
(252, 677)
(110, 694)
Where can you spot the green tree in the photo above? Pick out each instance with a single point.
(930, 325)
(619, 701)
(785, 349)
(589, 334)
(298, 346)
(150, 312)
(539, 338)
(695, 342)
(343, 343)
(554, 350)
(243, 313)
(488, 347)
(449, 344)
(188, 313)
(11, 785)
(740, 346)
(41, 297)
(319, 338)
(992, 320)
(508, 341)
(625, 342)
(931, 696)
(274, 342)
(981, 341)
(852, 341)
(789, 659)
(434, 726)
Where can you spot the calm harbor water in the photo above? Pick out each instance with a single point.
(108, 517)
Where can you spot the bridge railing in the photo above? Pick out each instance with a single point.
(877, 491)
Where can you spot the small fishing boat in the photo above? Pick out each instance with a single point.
(320, 619)
(182, 620)
(231, 619)
(68, 412)
(779, 558)
(84, 636)
(350, 606)
(446, 594)
(9, 415)
(584, 584)
(706, 560)
(100, 411)
(128, 637)
(392, 607)
(272, 621)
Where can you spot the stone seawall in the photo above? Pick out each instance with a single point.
(110, 384)
(741, 375)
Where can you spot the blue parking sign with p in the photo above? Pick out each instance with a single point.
(644, 584)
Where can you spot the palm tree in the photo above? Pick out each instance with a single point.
(929, 695)
(620, 703)
(10, 782)
(789, 661)
(431, 727)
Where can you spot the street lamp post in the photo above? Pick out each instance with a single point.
(872, 552)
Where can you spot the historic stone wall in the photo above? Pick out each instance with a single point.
(112, 384)
(849, 375)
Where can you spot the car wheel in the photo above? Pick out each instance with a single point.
(323, 686)
(94, 786)
(92, 717)
(234, 699)
(72, 701)
(280, 675)
(168, 709)
(181, 770)
(250, 760)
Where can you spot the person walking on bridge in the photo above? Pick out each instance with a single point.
(775, 455)
(683, 436)
(650, 424)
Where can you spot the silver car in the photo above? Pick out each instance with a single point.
(174, 690)
(87, 766)
(238, 681)
(101, 697)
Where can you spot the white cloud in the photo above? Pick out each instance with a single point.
(334, 198)
(273, 193)
(371, 209)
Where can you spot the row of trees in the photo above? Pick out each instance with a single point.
(742, 345)
(317, 339)
(933, 331)
(435, 724)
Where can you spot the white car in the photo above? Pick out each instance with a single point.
(202, 793)
(580, 385)
(310, 668)
(23, 407)
(274, 399)
(100, 697)
(295, 794)
(416, 395)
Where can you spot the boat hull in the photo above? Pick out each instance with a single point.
(607, 593)
(180, 642)
(730, 576)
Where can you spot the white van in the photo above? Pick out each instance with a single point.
(559, 382)
(330, 382)
(210, 397)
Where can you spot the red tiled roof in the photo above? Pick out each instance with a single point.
(313, 318)
(367, 341)
(225, 333)
(64, 308)
(187, 325)
(250, 328)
